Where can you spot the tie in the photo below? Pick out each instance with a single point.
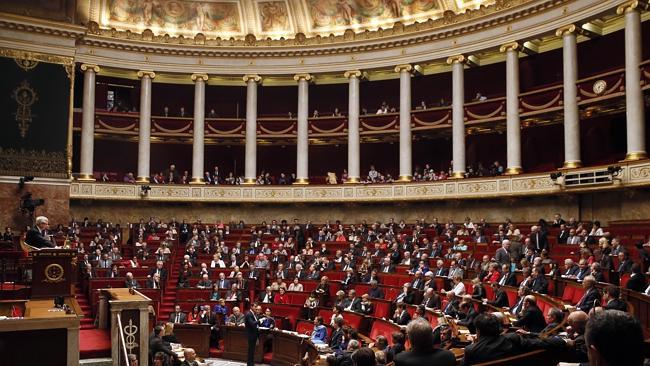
(503, 280)
(178, 318)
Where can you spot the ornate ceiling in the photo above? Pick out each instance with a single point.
(264, 19)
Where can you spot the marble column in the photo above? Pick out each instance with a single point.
(458, 115)
(634, 104)
(250, 163)
(354, 156)
(570, 92)
(405, 151)
(88, 123)
(198, 143)
(513, 125)
(302, 146)
(144, 139)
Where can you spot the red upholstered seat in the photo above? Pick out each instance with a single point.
(297, 298)
(383, 327)
(382, 309)
(578, 293)
(567, 294)
(304, 327)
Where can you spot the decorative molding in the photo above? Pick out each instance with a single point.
(85, 67)
(628, 6)
(457, 59)
(567, 29)
(633, 174)
(353, 74)
(405, 67)
(199, 76)
(256, 78)
(515, 46)
(304, 76)
(143, 73)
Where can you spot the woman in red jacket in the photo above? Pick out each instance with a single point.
(281, 297)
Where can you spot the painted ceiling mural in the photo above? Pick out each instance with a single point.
(270, 18)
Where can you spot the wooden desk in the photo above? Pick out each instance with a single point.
(235, 344)
(196, 336)
(289, 349)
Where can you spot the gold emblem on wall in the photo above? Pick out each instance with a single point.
(26, 63)
(54, 273)
(25, 97)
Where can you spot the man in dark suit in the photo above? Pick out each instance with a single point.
(156, 344)
(538, 239)
(531, 319)
(374, 291)
(422, 351)
(37, 236)
(539, 283)
(387, 266)
(131, 282)
(401, 316)
(177, 316)
(563, 235)
(154, 282)
(353, 303)
(612, 296)
(570, 269)
(492, 345)
(252, 332)
(452, 304)
(160, 270)
(637, 279)
(336, 339)
(431, 300)
(500, 297)
(507, 278)
(591, 298)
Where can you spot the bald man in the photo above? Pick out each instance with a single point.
(577, 322)
(190, 358)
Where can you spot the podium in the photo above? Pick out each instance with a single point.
(53, 272)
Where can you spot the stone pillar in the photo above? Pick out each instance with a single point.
(250, 163)
(302, 146)
(513, 125)
(571, 114)
(198, 143)
(405, 151)
(88, 123)
(634, 104)
(144, 139)
(458, 115)
(354, 159)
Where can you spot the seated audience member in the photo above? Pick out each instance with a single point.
(374, 291)
(491, 345)
(319, 334)
(577, 322)
(236, 318)
(452, 304)
(295, 286)
(221, 310)
(531, 318)
(281, 297)
(205, 282)
(614, 338)
(158, 348)
(637, 281)
(366, 307)
(345, 358)
(336, 340)
(311, 305)
(591, 297)
(500, 297)
(190, 358)
(215, 295)
(554, 317)
(422, 351)
(478, 291)
(267, 320)
(406, 296)
(177, 316)
(364, 357)
(612, 299)
(131, 282)
(430, 299)
(154, 282)
(401, 316)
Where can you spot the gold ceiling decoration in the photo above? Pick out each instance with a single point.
(277, 19)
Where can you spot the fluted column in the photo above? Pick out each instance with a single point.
(354, 159)
(302, 146)
(513, 125)
(634, 105)
(198, 143)
(458, 115)
(88, 123)
(405, 151)
(570, 92)
(250, 163)
(144, 139)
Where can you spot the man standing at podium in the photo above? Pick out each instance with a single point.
(37, 236)
(252, 331)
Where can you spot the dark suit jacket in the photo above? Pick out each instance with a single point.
(539, 284)
(163, 273)
(440, 272)
(354, 305)
(433, 302)
(336, 339)
(511, 280)
(391, 268)
(500, 299)
(562, 237)
(35, 239)
(478, 293)
(156, 345)
(402, 319)
(616, 304)
(510, 344)
(367, 309)
(539, 241)
(183, 317)
(532, 320)
(252, 327)
(433, 356)
(375, 293)
(591, 299)
(636, 283)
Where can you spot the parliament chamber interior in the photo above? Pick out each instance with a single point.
(325, 182)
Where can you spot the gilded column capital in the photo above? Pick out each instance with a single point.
(307, 77)
(567, 29)
(353, 74)
(515, 46)
(199, 76)
(143, 73)
(457, 59)
(627, 7)
(85, 67)
(404, 67)
(256, 78)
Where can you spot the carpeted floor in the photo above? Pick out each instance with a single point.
(94, 343)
